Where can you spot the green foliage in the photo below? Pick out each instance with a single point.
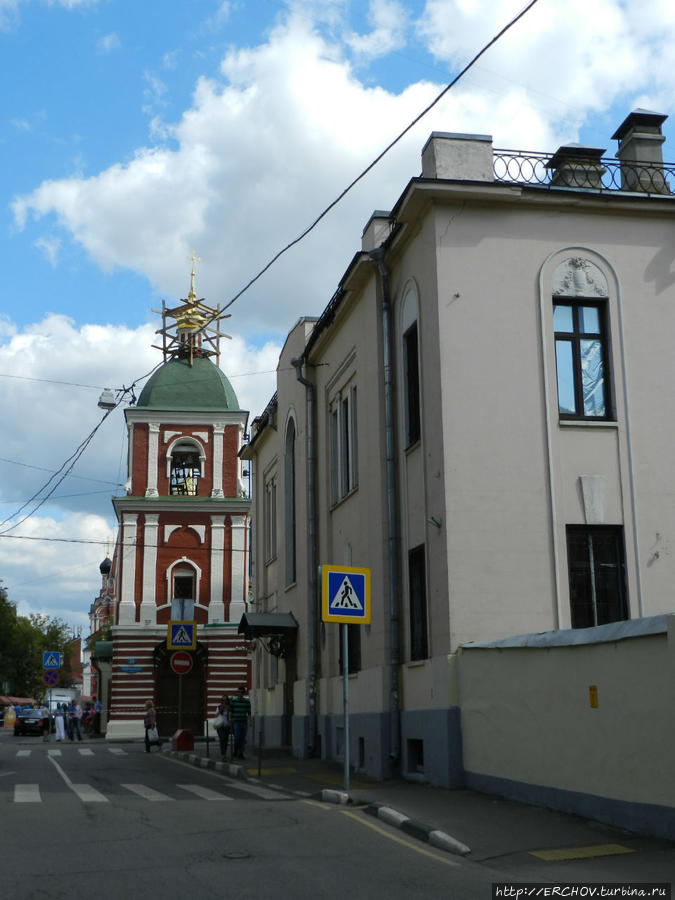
(23, 639)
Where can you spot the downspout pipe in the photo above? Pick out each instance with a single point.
(377, 255)
(312, 601)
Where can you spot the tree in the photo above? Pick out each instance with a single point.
(23, 640)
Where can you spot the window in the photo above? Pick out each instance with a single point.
(289, 502)
(581, 359)
(419, 648)
(185, 470)
(270, 519)
(412, 385)
(344, 444)
(597, 575)
(183, 593)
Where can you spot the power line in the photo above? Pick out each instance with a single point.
(72, 459)
(15, 462)
(122, 546)
(377, 159)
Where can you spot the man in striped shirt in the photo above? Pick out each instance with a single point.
(240, 715)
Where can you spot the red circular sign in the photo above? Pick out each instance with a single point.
(50, 676)
(181, 662)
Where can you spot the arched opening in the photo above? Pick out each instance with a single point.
(185, 469)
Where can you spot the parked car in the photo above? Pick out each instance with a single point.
(30, 721)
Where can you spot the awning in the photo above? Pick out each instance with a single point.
(280, 628)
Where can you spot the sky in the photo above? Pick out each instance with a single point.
(134, 134)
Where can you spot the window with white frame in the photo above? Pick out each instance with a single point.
(183, 588)
(270, 518)
(344, 447)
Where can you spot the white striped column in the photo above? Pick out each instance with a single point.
(150, 539)
(216, 603)
(218, 432)
(127, 606)
(237, 607)
(153, 453)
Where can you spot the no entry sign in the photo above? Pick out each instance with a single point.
(181, 662)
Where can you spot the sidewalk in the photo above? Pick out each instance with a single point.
(481, 827)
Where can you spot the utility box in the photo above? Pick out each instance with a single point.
(183, 739)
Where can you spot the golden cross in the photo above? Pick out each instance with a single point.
(193, 259)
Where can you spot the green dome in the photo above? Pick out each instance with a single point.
(177, 385)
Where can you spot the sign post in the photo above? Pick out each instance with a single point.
(345, 598)
(181, 664)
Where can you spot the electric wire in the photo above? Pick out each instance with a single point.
(377, 159)
(72, 459)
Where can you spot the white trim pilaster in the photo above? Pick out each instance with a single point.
(127, 605)
(218, 432)
(153, 452)
(238, 568)
(216, 602)
(150, 538)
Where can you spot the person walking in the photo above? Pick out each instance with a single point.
(222, 725)
(46, 723)
(150, 722)
(74, 716)
(60, 722)
(240, 716)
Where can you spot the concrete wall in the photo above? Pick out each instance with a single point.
(529, 730)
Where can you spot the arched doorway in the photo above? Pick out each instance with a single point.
(192, 692)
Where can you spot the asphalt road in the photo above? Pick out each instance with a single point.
(102, 820)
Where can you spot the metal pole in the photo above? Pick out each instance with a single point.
(345, 694)
(180, 701)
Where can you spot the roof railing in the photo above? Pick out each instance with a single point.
(578, 168)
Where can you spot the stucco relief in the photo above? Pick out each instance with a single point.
(579, 277)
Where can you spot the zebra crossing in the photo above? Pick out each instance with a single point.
(31, 793)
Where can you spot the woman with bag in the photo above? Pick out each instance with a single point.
(222, 725)
(150, 722)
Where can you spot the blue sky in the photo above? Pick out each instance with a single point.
(134, 133)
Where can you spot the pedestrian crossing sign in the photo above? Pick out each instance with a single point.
(181, 635)
(51, 659)
(345, 595)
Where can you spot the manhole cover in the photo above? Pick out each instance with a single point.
(236, 854)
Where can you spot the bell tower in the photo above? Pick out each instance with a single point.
(183, 526)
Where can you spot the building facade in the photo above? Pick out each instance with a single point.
(483, 416)
(182, 548)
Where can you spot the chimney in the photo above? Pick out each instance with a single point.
(460, 157)
(576, 166)
(377, 230)
(639, 152)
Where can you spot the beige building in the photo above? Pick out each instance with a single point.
(483, 415)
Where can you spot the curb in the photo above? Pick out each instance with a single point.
(206, 762)
(419, 830)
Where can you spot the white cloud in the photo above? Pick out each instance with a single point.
(265, 147)
(45, 420)
(108, 43)
(388, 20)
(50, 247)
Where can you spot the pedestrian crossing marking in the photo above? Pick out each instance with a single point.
(85, 751)
(117, 751)
(27, 793)
(88, 794)
(23, 753)
(346, 597)
(146, 793)
(53, 752)
(204, 793)
(261, 792)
